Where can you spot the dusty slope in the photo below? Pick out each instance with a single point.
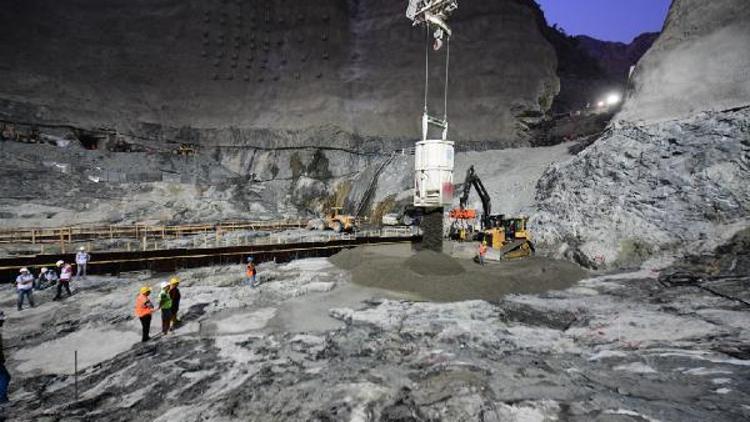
(698, 64)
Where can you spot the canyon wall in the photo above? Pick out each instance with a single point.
(274, 71)
(669, 174)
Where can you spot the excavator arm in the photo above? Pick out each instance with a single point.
(473, 180)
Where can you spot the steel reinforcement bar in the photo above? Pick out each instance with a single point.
(170, 260)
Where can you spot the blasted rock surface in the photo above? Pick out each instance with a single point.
(641, 191)
(670, 175)
(268, 74)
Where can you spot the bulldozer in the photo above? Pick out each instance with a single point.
(507, 238)
(334, 220)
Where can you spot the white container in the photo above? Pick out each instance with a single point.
(433, 173)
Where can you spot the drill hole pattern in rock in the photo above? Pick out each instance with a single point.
(241, 28)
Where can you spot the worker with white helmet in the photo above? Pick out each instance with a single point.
(66, 274)
(82, 260)
(47, 278)
(24, 287)
(165, 304)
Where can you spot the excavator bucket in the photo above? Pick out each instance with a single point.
(463, 214)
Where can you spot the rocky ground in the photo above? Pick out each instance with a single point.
(650, 345)
(642, 190)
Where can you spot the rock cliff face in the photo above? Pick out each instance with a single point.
(290, 106)
(699, 63)
(589, 68)
(652, 186)
(615, 58)
(186, 70)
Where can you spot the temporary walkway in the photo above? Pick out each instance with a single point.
(66, 236)
(170, 260)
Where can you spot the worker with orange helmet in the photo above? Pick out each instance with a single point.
(143, 310)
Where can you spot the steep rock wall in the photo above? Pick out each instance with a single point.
(286, 68)
(699, 63)
(666, 178)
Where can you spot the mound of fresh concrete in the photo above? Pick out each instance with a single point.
(433, 263)
(428, 275)
(348, 258)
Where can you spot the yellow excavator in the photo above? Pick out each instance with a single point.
(507, 238)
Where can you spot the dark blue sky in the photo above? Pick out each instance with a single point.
(608, 20)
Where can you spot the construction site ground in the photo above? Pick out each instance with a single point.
(320, 339)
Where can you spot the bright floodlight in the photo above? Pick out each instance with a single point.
(613, 99)
(600, 104)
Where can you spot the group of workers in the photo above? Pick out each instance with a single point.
(26, 283)
(169, 305)
(169, 302)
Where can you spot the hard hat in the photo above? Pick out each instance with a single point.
(174, 281)
(164, 284)
(145, 289)
(60, 263)
(23, 270)
(43, 270)
(81, 249)
(249, 259)
(484, 242)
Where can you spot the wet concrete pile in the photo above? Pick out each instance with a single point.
(428, 275)
(617, 347)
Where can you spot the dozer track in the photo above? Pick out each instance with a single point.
(520, 248)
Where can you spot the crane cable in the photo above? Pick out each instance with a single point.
(427, 71)
(447, 62)
(426, 63)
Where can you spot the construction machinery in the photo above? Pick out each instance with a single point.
(507, 237)
(463, 224)
(334, 220)
(186, 150)
(433, 157)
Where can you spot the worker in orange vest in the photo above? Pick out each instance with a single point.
(251, 272)
(143, 310)
(482, 252)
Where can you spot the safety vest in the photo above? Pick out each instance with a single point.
(165, 302)
(143, 306)
(250, 269)
(483, 250)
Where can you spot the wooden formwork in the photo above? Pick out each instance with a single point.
(71, 234)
